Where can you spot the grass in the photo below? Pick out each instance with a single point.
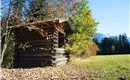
(112, 67)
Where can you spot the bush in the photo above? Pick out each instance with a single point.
(82, 49)
(93, 48)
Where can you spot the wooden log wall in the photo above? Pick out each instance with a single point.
(61, 57)
(37, 50)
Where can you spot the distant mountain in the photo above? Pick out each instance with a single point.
(129, 39)
(100, 36)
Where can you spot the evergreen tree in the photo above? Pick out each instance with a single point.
(125, 44)
(118, 45)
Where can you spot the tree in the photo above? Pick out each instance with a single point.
(17, 11)
(94, 49)
(11, 16)
(123, 44)
(85, 27)
(39, 10)
(118, 45)
(109, 46)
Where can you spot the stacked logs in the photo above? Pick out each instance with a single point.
(61, 57)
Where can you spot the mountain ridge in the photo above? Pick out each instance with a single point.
(100, 36)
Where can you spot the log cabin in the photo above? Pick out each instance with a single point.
(40, 44)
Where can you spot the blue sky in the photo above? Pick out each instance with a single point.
(113, 15)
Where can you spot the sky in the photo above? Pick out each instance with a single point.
(112, 15)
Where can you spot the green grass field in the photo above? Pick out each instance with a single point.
(112, 67)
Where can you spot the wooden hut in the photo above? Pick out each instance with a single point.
(41, 44)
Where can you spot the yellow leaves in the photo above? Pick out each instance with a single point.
(85, 25)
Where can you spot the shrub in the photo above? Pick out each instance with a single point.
(93, 48)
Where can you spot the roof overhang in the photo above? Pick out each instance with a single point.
(50, 23)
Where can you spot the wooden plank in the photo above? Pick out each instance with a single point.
(32, 48)
(60, 49)
(42, 41)
(33, 52)
(60, 30)
(36, 43)
(60, 52)
(28, 60)
(37, 47)
(61, 59)
(27, 29)
(26, 36)
(61, 63)
(55, 38)
(25, 33)
(37, 40)
(23, 30)
(55, 45)
(31, 38)
(47, 43)
(60, 56)
(36, 55)
(55, 34)
(42, 46)
(35, 58)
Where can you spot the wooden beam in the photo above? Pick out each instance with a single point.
(60, 30)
